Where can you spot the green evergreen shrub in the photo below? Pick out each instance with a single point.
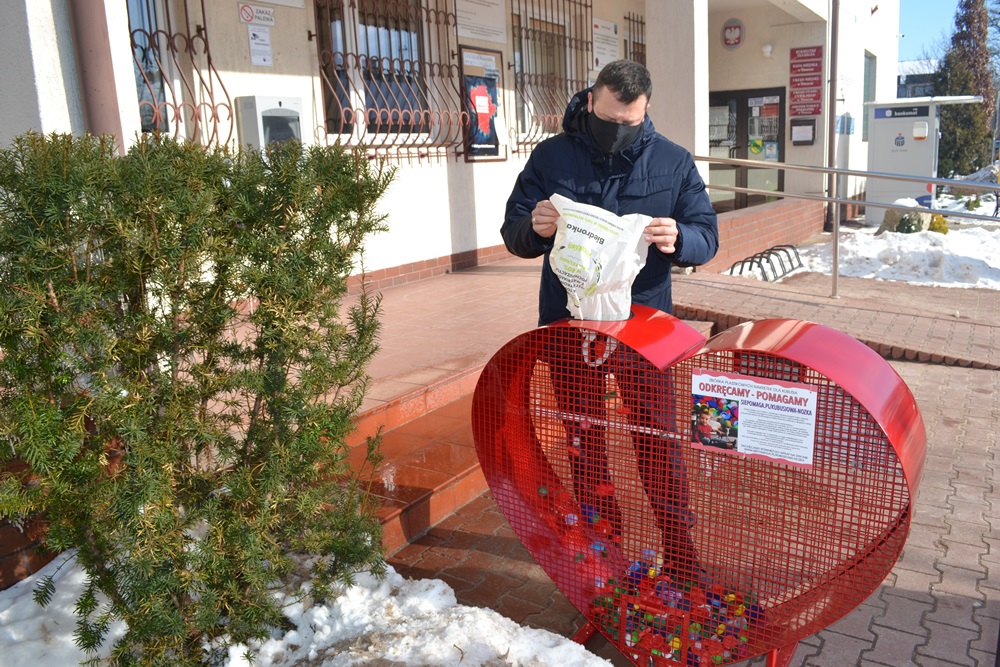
(180, 369)
(908, 223)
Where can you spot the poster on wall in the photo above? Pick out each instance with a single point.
(605, 38)
(481, 19)
(759, 418)
(481, 85)
(764, 128)
(260, 45)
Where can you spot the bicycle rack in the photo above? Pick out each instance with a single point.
(786, 256)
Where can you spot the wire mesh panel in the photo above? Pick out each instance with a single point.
(701, 504)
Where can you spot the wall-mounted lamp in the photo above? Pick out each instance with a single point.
(767, 49)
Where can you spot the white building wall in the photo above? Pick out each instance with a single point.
(438, 208)
(434, 208)
(680, 71)
(19, 103)
(863, 31)
(38, 79)
(123, 64)
(747, 68)
(294, 71)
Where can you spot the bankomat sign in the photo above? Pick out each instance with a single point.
(901, 112)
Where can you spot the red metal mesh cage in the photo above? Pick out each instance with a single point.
(687, 553)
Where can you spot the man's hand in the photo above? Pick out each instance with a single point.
(662, 232)
(543, 219)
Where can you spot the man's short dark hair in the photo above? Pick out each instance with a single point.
(626, 79)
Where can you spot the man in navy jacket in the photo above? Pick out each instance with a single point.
(609, 155)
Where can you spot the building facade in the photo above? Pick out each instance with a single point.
(456, 93)
(916, 78)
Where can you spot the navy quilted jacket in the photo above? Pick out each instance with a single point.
(653, 176)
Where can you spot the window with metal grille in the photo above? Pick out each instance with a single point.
(635, 38)
(178, 88)
(387, 76)
(149, 81)
(339, 117)
(869, 90)
(389, 47)
(552, 52)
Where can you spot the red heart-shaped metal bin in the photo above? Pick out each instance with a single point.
(701, 502)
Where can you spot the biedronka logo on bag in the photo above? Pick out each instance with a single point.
(597, 256)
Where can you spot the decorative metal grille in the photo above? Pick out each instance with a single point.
(389, 74)
(635, 38)
(179, 90)
(552, 57)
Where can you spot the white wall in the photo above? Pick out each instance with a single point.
(877, 33)
(123, 64)
(615, 11)
(680, 72)
(440, 208)
(295, 68)
(435, 208)
(746, 68)
(19, 102)
(38, 79)
(860, 30)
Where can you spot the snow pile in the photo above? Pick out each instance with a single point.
(43, 637)
(987, 174)
(406, 622)
(962, 258)
(375, 622)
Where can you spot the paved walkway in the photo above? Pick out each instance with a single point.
(940, 606)
(900, 321)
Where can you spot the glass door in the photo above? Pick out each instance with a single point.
(764, 122)
(748, 125)
(722, 143)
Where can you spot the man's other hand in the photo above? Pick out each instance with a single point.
(662, 232)
(543, 219)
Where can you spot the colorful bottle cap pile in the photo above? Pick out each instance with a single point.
(650, 614)
(646, 611)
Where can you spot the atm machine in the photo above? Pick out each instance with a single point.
(262, 120)
(903, 139)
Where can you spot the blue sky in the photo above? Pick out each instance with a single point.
(925, 24)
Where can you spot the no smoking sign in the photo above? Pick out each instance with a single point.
(256, 15)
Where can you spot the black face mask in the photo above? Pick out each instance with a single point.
(611, 137)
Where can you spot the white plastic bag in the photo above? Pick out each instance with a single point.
(597, 256)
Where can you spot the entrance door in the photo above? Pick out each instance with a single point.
(749, 125)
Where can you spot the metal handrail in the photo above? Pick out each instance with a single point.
(836, 201)
(737, 162)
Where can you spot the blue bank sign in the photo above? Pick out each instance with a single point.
(901, 112)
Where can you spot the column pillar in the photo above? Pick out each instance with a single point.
(677, 57)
